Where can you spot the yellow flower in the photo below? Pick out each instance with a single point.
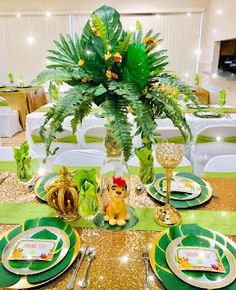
(108, 74)
(111, 75)
(94, 29)
(107, 55)
(86, 79)
(81, 62)
(150, 41)
(117, 57)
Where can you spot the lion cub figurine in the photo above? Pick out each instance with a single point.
(116, 211)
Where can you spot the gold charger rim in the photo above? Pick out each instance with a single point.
(204, 285)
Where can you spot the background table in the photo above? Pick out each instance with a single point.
(119, 264)
(25, 100)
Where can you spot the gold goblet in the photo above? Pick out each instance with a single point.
(169, 155)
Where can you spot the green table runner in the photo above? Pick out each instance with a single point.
(221, 221)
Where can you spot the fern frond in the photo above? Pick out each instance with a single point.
(65, 107)
(122, 47)
(120, 129)
(101, 30)
(175, 82)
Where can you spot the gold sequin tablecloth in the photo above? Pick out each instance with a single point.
(119, 264)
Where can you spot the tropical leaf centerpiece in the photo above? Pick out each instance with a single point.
(118, 71)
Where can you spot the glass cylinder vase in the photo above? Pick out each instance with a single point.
(115, 184)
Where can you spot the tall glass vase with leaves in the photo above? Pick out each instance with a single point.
(118, 71)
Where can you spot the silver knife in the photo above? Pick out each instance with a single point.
(70, 284)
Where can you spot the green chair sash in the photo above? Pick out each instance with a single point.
(4, 103)
(67, 139)
(177, 139)
(92, 139)
(11, 166)
(209, 139)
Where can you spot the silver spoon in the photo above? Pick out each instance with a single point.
(90, 256)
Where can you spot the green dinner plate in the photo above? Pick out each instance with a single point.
(207, 115)
(202, 237)
(11, 280)
(195, 107)
(35, 267)
(206, 191)
(42, 183)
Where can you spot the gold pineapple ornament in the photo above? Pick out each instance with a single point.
(63, 196)
(169, 155)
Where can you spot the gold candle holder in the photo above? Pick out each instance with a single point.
(169, 155)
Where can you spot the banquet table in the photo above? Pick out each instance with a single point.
(119, 263)
(196, 124)
(25, 100)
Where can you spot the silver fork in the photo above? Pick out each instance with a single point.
(146, 262)
(70, 284)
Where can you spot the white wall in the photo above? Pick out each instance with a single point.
(179, 30)
(220, 24)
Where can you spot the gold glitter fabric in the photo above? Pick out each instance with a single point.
(119, 264)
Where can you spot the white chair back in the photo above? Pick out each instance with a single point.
(222, 163)
(79, 158)
(93, 137)
(210, 142)
(172, 134)
(4, 106)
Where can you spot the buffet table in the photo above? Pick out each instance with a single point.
(25, 100)
(119, 264)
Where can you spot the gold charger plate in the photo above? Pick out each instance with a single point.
(201, 282)
(160, 243)
(187, 196)
(61, 235)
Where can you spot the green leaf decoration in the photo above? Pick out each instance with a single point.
(136, 69)
(23, 161)
(146, 163)
(194, 236)
(8, 279)
(116, 70)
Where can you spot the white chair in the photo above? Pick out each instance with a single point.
(8, 163)
(79, 158)
(133, 165)
(65, 140)
(222, 165)
(9, 120)
(210, 142)
(93, 137)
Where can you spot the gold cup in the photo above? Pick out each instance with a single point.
(169, 155)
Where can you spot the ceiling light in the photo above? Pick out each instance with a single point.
(189, 14)
(30, 40)
(48, 14)
(186, 75)
(158, 16)
(214, 31)
(18, 15)
(214, 75)
(219, 11)
(198, 51)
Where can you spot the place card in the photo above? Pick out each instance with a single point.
(33, 249)
(199, 259)
(180, 186)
